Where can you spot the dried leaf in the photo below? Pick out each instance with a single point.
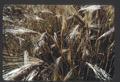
(46, 11)
(19, 31)
(69, 74)
(99, 72)
(26, 57)
(5, 18)
(90, 8)
(106, 33)
(74, 33)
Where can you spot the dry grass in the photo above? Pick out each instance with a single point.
(74, 41)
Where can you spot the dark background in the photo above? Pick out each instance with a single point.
(115, 3)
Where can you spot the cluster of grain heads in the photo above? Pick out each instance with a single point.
(68, 41)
